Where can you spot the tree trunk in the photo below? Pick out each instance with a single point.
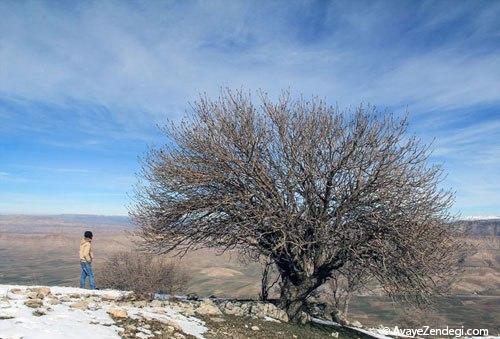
(264, 287)
(293, 298)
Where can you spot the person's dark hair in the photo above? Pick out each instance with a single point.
(88, 234)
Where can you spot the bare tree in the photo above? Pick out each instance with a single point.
(143, 273)
(268, 279)
(312, 187)
(343, 284)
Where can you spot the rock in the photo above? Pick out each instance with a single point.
(131, 327)
(172, 324)
(74, 295)
(356, 323)
(38, 313)
(64, 298)
(188, 312)
(94, 298)
(179, 336)
(280, 315)
(245, 307)
(335, 334)
(192, 296)
(263, 310)
(54, 301)
(117, 313)
(113, 297)
(130, 296)
(140, 303)
(32, 295)
(304, 318)
(8, 313)
(41, 291)
(338, 317)
(208, 307)
(156, 303)
(6, 316)
(33, 303)
(80, 305)
(233, 309)
(217, 320)
(226, 304)
(255, 328)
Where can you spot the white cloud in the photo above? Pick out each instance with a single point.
(112, 69)
(141, 62)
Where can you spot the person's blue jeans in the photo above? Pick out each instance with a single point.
(87, 272)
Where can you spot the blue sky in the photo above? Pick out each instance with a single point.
(83, 84)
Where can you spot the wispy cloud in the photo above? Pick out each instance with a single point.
(140, 62)
(90, 80)
(481, 141)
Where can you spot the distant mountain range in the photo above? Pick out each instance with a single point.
(476, 226)
(90, 219)
(489, 227)
(46, 224)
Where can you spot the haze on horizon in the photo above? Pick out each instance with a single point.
(84, 84)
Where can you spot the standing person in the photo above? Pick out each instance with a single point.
(86, 260)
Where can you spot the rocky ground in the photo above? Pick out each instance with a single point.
(63, 312)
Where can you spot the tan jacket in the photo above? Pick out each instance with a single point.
(86, 250)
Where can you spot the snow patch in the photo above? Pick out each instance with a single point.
(60, 321)
(371, 332)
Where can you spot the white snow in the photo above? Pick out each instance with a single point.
(68, 290)
(325, 322)
(376, 333)
(63, 322)
(266, 318)
(189, 325)
(370, 332)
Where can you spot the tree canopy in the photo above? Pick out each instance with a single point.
(311, 187)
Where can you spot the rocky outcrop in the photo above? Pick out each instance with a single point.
(253, 309)
(117, 313)
(25, 311)
(81, 305)
(208, 307)
(34, 303)
(217, 307)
